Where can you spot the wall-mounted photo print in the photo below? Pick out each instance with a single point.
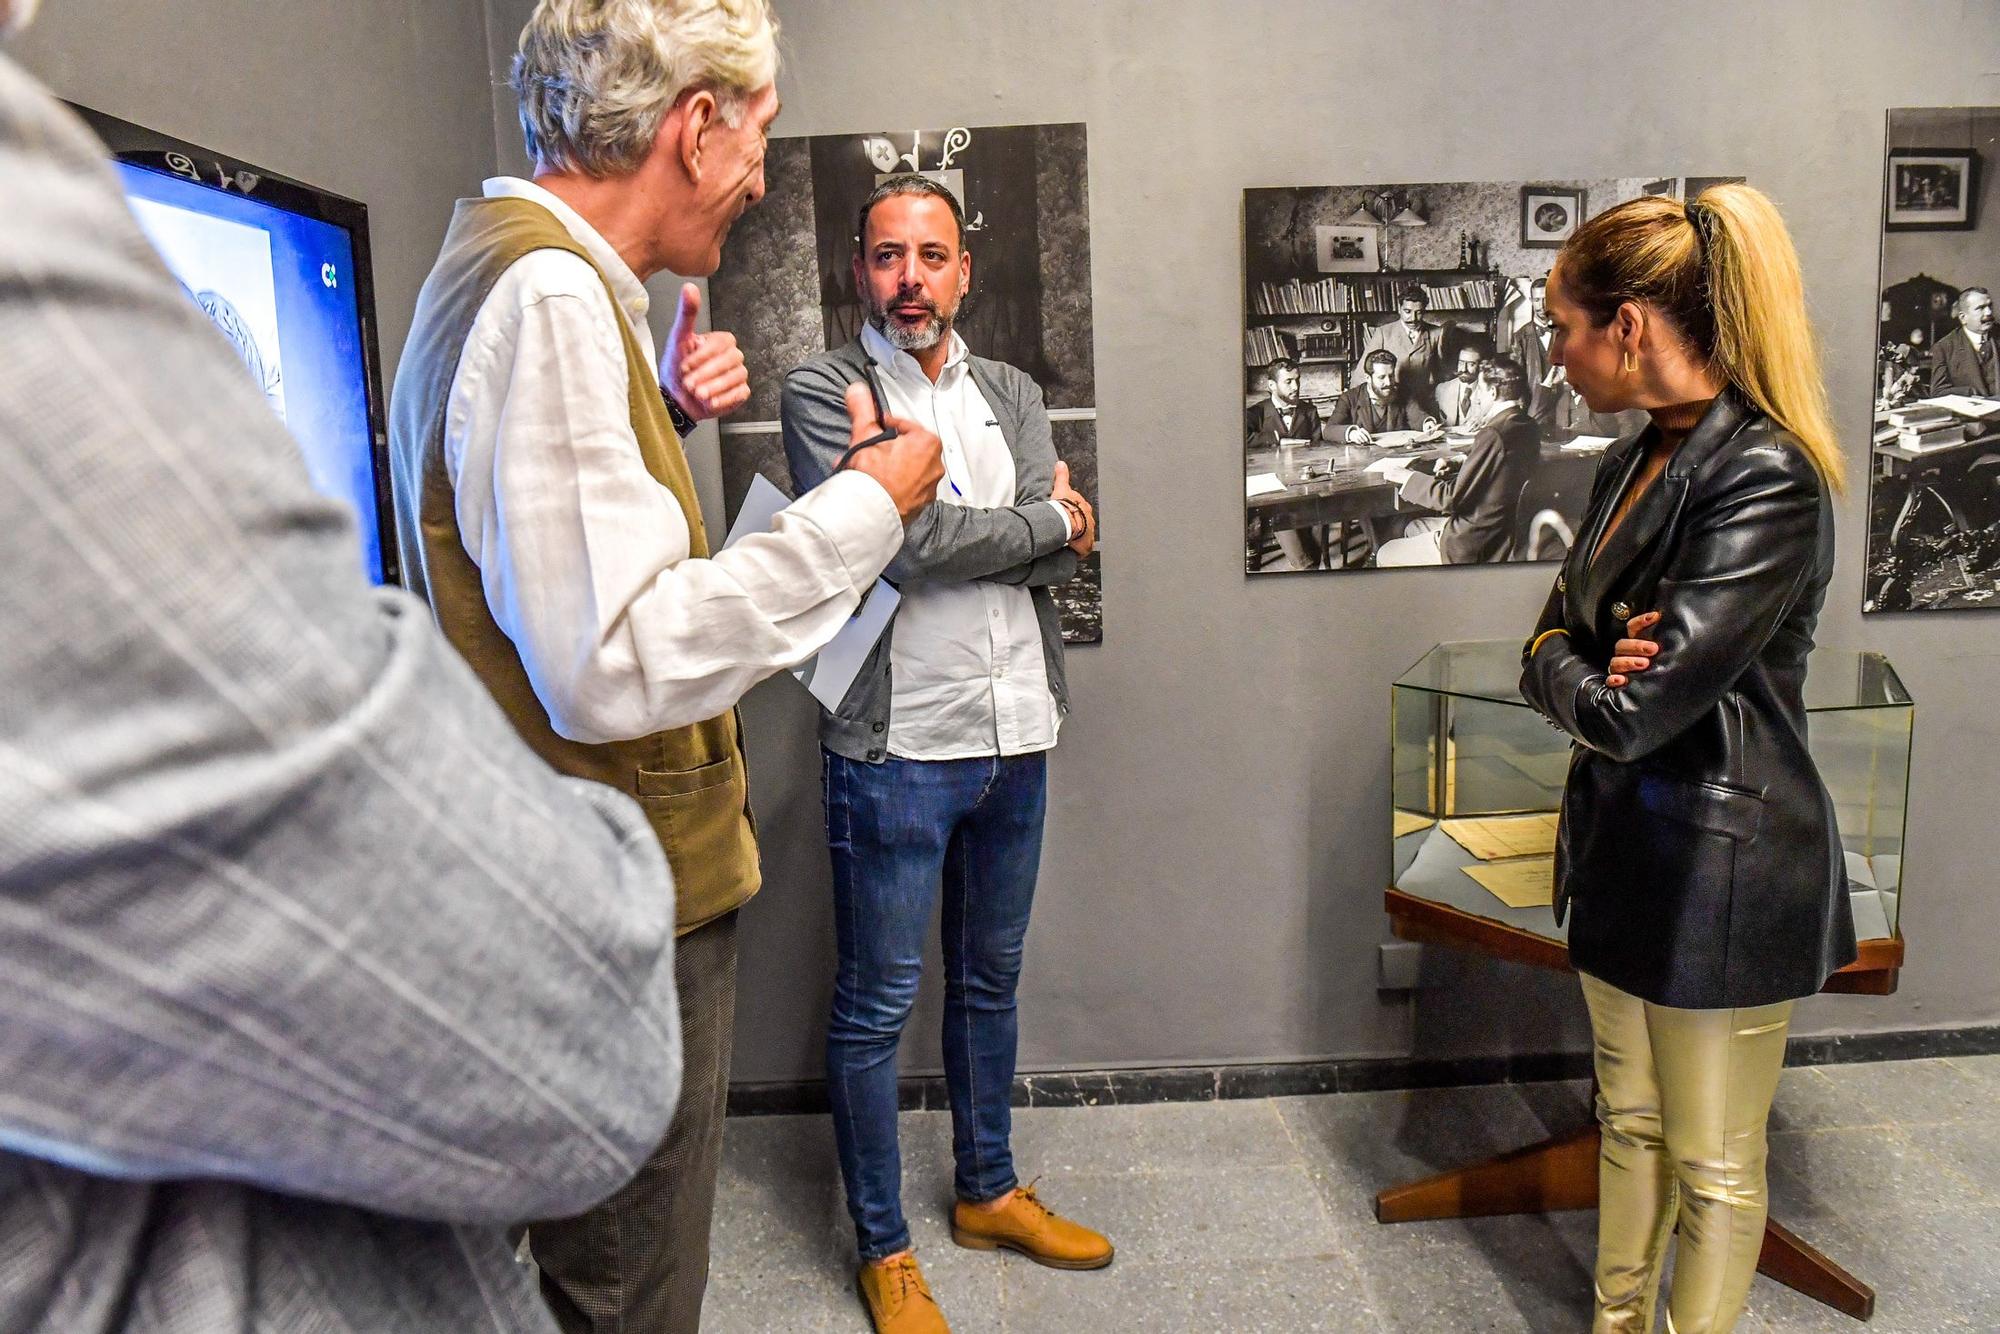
(1549, 214)
(786, 286)
(1399, 405)
(1349, 249)
(1934, 487)
(1931, 189)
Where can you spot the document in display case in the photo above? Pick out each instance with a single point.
(1478, 778)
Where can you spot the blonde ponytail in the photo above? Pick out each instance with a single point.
(1764, 342)
(1723, 271)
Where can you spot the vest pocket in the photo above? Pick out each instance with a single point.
(701, 816)
(685, 782)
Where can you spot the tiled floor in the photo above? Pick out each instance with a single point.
(1257, 1215)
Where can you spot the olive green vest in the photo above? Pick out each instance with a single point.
(690, 780)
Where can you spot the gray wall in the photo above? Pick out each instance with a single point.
(385, 101)
(1218, 840)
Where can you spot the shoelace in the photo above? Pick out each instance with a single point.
(1027, 1193)
(908, 1279)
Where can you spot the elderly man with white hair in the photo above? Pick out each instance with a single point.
(547, 514)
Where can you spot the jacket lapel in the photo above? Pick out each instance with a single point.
(1266, 419)
(1632, 537)
(1579, 569)
(1720, 424)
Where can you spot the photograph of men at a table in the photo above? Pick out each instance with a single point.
(1934, 489)
(1399, 404)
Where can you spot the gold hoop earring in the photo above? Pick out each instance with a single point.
(1630, 365)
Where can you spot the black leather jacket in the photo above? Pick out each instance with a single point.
(1697, 856)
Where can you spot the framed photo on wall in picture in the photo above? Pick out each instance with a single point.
(1931, 190)
(1933, 535)
(1549, 213)
(1344, 249)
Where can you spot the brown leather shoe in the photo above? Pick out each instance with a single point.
(898, 1299)
(1026, 1225)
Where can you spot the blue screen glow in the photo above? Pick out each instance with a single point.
(280, 288)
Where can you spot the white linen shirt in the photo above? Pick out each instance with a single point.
(585, 558)
(967, 675)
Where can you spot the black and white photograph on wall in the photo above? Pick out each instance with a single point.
(786, 287)
(1934, 479)
(1400, 408)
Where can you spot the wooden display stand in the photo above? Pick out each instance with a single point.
(1561, 1173)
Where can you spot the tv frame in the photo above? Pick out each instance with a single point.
(152, 150)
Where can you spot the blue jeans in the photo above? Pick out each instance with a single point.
(897, 831)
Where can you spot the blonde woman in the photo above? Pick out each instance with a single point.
(1698, 861)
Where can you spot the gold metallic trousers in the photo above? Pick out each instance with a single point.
(1683, 1096)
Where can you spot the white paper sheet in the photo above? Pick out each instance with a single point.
(1261, 484)
(1382, 466)
(1965, 405)
(1406, 439)
(829, 673)
(1590, 444)
(760, 505)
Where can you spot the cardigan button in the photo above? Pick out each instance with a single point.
(1622, 610)
(1562, 583)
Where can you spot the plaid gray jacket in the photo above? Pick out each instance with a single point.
(312, 977)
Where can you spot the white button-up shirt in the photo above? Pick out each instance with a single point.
(585, 558)
(967, 673)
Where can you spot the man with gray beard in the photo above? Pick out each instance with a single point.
(935, 763)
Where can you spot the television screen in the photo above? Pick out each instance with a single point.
(280, 269)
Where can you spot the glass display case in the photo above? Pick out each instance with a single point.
(1478, 777)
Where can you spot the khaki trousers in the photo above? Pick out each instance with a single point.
(1683, 1096)
(638, 1263)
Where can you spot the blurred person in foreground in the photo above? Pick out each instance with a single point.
(314, 977)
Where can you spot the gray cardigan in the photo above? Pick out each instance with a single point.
(1023, 543)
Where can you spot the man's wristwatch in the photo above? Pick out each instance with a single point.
(683, 424)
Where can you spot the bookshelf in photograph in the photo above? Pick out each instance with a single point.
(1321, 322)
